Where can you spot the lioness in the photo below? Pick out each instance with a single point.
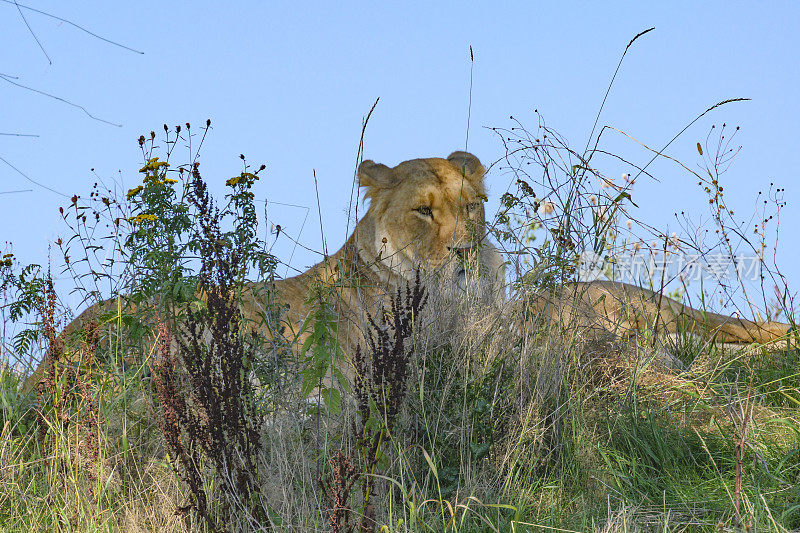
(429, 213)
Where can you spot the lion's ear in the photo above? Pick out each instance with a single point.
(469, 164)
(372, 174)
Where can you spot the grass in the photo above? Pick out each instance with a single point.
(496, 435)
(471, 416)
(479, 451)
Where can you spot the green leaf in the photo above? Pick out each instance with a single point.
(333, 400)
(320, 355)
(430, 463)
(309, 340)
(310, 380)
(625, 196)
(341, 379)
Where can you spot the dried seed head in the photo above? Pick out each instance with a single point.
(547, 207)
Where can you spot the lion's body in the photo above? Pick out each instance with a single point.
(429, 213)
(620, 309)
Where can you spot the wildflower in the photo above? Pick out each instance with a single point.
(629, 223)
(246, 178)
(593, 199)
(142, 218)
(169, 181)
(133, 192)
(606, 183)
(153, 164)
(547, 207)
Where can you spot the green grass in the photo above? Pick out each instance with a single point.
(504, 427)
(482, 445)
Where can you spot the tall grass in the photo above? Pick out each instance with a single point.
(164, 408)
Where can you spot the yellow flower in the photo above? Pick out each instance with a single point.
(133, 192)
(153, 165)
(169, 181)
(142, 218)
(247, 178)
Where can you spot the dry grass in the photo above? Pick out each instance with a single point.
(508, 422)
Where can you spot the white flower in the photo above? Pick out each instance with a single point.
(629, 223)
(547, 207)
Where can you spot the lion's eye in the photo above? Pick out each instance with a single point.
(424, 210)
(472, 207)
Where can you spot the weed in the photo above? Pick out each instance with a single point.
(211, 419)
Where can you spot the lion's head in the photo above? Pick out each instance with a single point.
(429, 213)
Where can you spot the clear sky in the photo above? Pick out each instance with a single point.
(288, 86)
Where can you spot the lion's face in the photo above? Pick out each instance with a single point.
(427, 212)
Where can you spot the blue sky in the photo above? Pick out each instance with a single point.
(288, 86)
